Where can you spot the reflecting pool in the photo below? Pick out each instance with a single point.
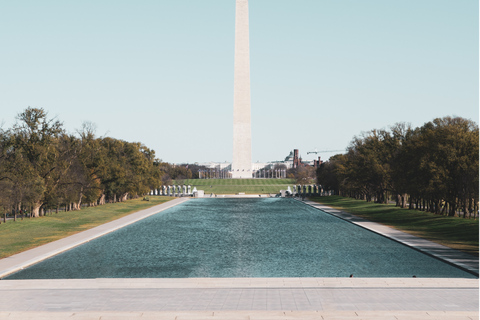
(269, 237)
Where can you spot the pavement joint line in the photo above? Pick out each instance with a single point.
(404, 238)
(254, 288)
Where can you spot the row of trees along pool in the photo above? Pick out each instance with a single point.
(432, 168)
(43, 167)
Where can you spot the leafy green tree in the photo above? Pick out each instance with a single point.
(41, 166)
(331, 174)
(444, 164)
(368, 165)
(127, 169)
(5, 174)
(434, 166)
(35, 142)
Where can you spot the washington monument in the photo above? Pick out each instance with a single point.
(242, 134)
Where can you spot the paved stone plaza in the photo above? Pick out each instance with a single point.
(238, 298)
(247, 298)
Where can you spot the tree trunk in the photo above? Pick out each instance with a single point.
(470, 207)
(475, 209)
(36, 209)
(101, 201)
(437, 207)
(443, 209)
(453, 208)
(79, 204)
(19, 208)
(123, 197)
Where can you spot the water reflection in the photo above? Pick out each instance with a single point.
(240, 238)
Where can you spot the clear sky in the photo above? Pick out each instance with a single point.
(161, 72)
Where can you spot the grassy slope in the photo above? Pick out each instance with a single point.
(454, 232)
(232, 186)
(23, 235)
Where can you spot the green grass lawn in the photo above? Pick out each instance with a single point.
(454, 232)
(25, 234)
(233, 186)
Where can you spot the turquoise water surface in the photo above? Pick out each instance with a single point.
(271, 237)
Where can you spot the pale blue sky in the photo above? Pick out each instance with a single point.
(161, 72)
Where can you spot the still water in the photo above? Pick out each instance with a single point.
(240, 238)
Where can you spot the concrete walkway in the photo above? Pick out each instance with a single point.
(247, 298)
(237, 298)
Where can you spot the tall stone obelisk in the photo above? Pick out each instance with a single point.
(242, 134)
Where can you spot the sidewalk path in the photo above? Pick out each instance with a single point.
(241, 298)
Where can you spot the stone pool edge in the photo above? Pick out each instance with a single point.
(27, 258)
(451, 256)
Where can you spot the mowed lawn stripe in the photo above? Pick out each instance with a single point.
(233, 186)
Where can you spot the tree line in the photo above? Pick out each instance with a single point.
(434, 167)
(44, 167)
(180, 172)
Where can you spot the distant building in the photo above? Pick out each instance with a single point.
(272, 169)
